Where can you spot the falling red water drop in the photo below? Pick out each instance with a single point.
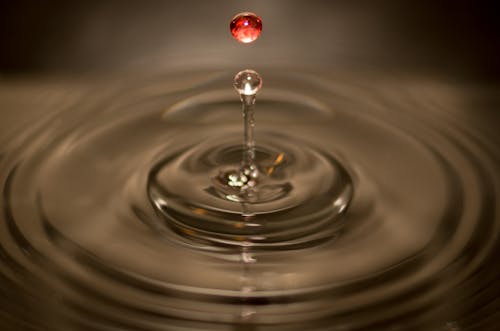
(246, 27)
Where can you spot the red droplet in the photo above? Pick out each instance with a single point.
(246, 27)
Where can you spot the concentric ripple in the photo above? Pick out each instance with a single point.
(378, 210)
(299, 198)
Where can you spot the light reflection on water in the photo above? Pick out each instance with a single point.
(84, 244)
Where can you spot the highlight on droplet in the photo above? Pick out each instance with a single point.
(246, 27)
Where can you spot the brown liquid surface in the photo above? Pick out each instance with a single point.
(84, 245)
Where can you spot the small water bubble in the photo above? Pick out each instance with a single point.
(247, 82)
(246, 27)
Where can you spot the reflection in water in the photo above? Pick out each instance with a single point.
(388, 221)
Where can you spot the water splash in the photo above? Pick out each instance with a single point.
(90, 238)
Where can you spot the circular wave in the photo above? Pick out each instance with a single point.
(86, 243)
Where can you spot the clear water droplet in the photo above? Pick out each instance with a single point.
(247, 82)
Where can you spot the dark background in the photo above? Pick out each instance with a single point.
(452, 37)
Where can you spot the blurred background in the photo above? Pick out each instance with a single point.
(453, 38)
(445, 53)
